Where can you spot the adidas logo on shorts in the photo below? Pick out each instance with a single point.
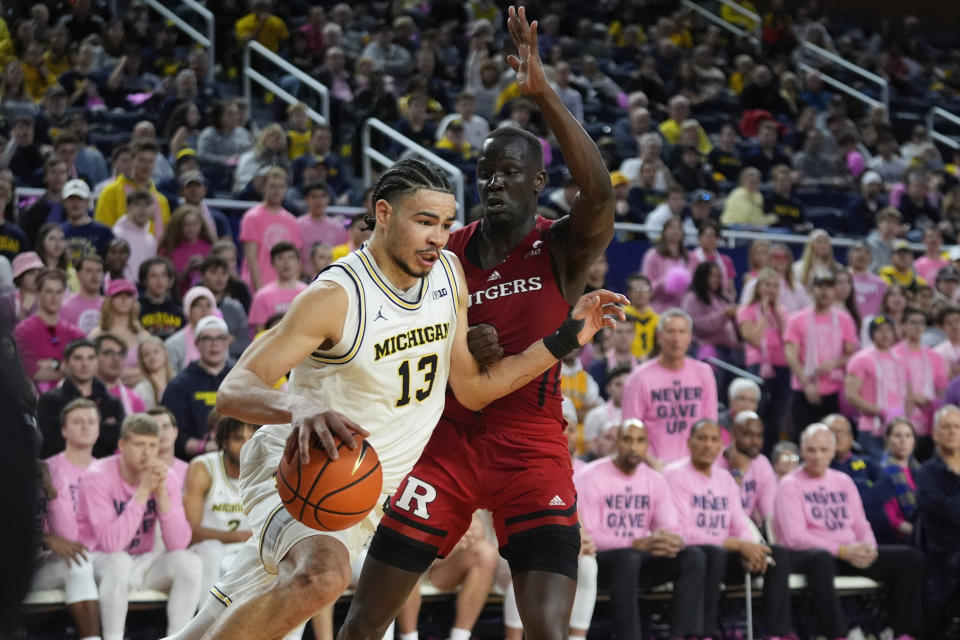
(557, 502)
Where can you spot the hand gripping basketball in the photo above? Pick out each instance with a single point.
(324, 424)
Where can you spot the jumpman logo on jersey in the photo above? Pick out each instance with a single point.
(380, 315)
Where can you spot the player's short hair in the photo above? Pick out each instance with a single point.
(670, 314)
(405, 177)
(283, 247)
(139, 195)
(227, 427)
(701, 423)
(741, 384)
(75, 405)
(160, 410)
(73, 345)
(139, 424)
(534, 155)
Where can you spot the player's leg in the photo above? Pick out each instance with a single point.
(211, 559)
(409, 614)
(82, 598)
(311, 575)
(381, 592)
(112, 572)
(322, 623)
(473, 569)
(179, 574)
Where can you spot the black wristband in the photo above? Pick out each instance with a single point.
(564, 339)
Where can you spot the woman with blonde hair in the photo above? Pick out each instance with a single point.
(817, 258)
(758, 259)
(793, 296)
(119, 317)
(154, 364)
(270, 150)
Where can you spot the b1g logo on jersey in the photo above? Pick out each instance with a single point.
(420, 492)
(504, 289)
(439, 293)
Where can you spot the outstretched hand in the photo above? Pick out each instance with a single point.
(529, 69)
(598, 309)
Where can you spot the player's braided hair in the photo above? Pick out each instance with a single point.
(226, 427)
(405, 177)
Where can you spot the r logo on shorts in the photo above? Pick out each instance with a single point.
(419, 491)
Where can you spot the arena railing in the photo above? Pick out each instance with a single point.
(882, 84)
(205, 41)
(932, 116)
(757, 21)
(723, 24)
(371, 155)
(251, 74)
(227, 205)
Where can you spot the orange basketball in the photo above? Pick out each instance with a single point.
(331, 495)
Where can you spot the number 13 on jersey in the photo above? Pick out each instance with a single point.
(427, 365)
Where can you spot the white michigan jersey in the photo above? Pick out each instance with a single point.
(388, 373)
(222, 507)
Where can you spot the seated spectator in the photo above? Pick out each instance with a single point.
(236, 287)
(316, 226)
(112, 203)
(51, 120)
(745, 203)
(475, 127)
(36, 77)
(298, 131)
(13, 239)
(597, 419)
(876, 385)
(154, 363)
(915, 202)
(168, 440)
(134, 227)
(225, 139)
(817, 344)
(816, 165)
(781, 203)
(139, 485)
(930, 263)
(415, 125)
(22, 154)
(864, 209)
(269, 151)
(767, 153)
(629, 131)
(690, 172)
(881, 239)
(160, 315)
(670, 393)
(83, 307)
(265, 225)
(639, 292)
(49, 206)
(215, 276)
(743, 394)
(750, 469)
(186, 241)
(639, 551)
(678, 112)
(926, 378)
(577, 386)
(644, 195)
(901, 467)
(713, 316)
(711, 516)
(111, 354)
(64, 563)
(43, 337)
(357, 234)
(868, 287)
(80, 381)
(262, 26)
(651, 149)
(82, 233)
(818, 515)
(275, 297)
(212, 504)
(725, 159)
(453, 141)
(469, 568)
(318, 149)
(198, 303)
(762, 93)
(193, 190)
(82, 21)
(388, 57)
(938, 490)
(119, 316)
(192, 393)
(785, 458)
(888, 163)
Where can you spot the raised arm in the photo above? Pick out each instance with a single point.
(247, 393)
(475, 387)
(589, 228)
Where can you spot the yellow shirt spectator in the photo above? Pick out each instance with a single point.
(267, 29)
(646, 330)
(36, 80)
(112, 204)
(57, 65)
(745, 207)
(670, 129)
(907, 279)
(734, 17)
(6, 45)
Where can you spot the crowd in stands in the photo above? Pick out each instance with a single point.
(126, 297)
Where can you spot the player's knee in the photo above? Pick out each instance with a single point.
(184, 565)
(485, 556)
(119, 563)
(319, 584)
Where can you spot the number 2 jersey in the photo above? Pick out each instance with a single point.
(521, 298)
(387, 373)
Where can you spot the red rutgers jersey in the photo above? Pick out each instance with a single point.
(521, 298)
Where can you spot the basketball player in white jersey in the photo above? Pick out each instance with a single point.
(211, 500)
(372, 344)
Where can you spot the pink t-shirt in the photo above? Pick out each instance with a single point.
(62, 511)
(37, 341)
(708, 506)
(111, 520)
(820, 513)
(82, 312)
(927, 376)
(927, 268)
(271, 299)
(772, 337)
(669, 403)
(866, 364)
(266, 228)
(143, 244)
(130, 399)
(758, 489)
(185, 251)
(868, 290)
(617, 509)
(827, 346)
(313, 231)
(656, 267)
(950, 353)
(179, 468)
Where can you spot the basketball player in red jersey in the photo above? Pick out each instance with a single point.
(524, 274)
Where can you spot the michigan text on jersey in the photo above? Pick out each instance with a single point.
(410, 339)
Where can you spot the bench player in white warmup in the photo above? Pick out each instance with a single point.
(371, 344)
